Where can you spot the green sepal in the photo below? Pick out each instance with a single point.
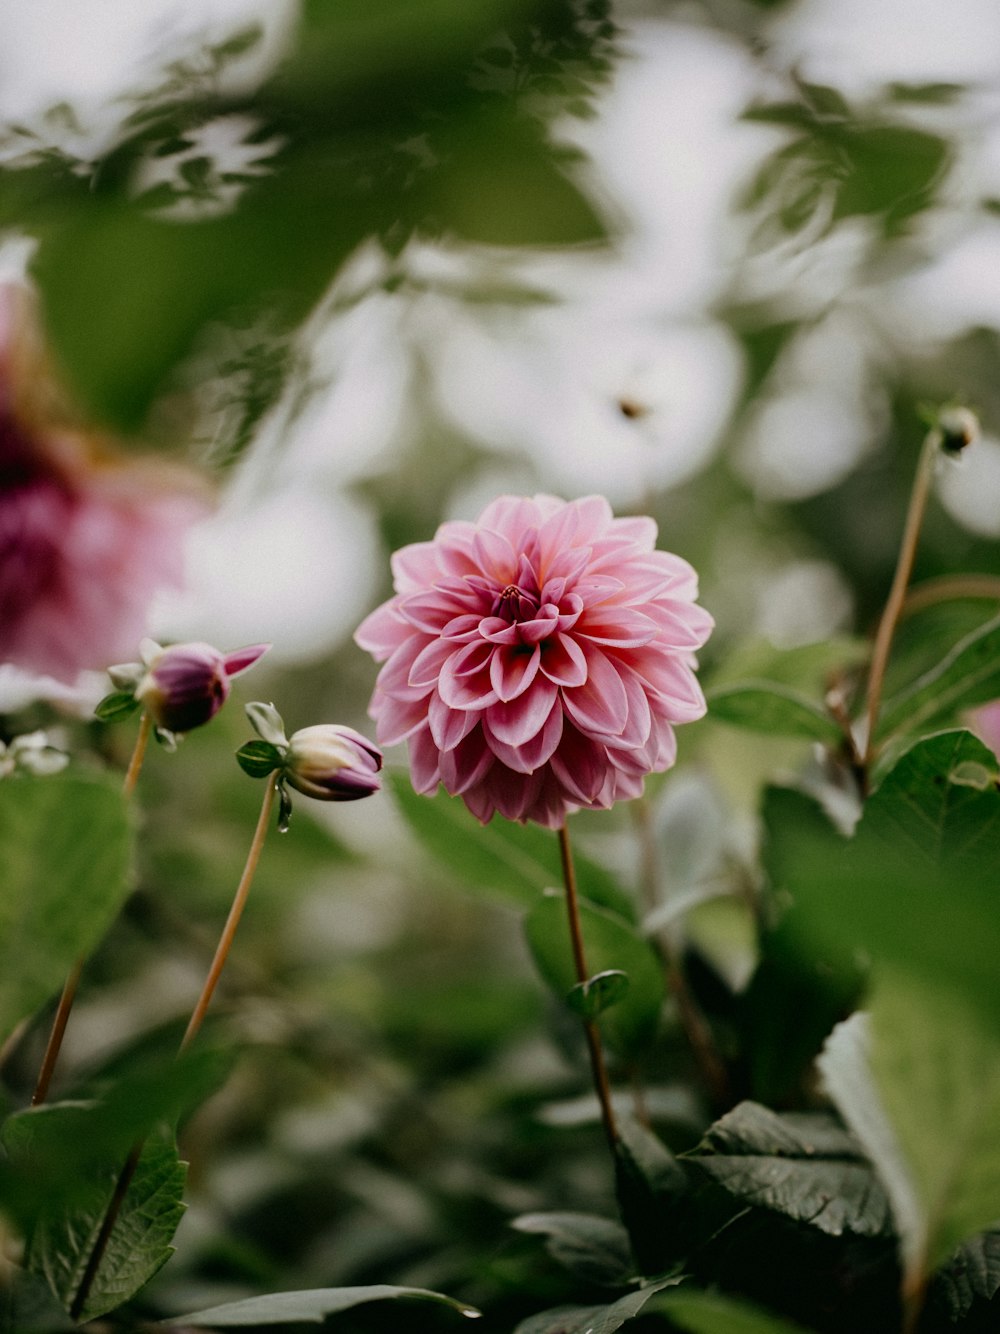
(588, 999)
(267, 722)
(117, 706)
(259, 758)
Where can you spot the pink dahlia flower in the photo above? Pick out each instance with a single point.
(86, 538)
(536, 660)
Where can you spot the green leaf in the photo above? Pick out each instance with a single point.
(766, 706)
(259, 758)
(309, 1306)
(516, 861)
(595, 1249)
(710, 1313)
(610, 944)
(28, 1307)
(968, 674)
(591, 998)
(64, 862)
(918, 1081)
(593, 1319)
(803, 1165)
(651, 1188)
(970, 1279)
(914, 887)
(61, 1243)
(117, 706)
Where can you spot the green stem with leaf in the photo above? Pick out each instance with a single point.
(592, 1033)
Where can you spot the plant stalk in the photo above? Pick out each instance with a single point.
(68, 995)
(598, 1069)
(194, 1024)
(897, 593)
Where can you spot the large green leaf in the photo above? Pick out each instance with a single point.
(310, 1306)
(971, 1278)
(139, 1245)
(803, 1165)
(64, 862)
(916, 886)
(631, 1024)
(968, 674)
(919, 1083)
(516, 861)
(767, 706)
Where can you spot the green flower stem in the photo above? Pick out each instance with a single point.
(194, 1024)
(897, 593)
(235, 913)
(68, 996)
(591, 1031)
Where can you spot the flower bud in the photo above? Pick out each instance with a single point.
(186, 685)
(332, 763)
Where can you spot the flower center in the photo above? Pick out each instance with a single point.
(514, 604)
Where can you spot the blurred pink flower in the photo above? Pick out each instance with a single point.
(985, 722)
(537, 659)
(86, 537)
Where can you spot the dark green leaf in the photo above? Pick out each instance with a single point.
(117, 706)
(595, 1249)
(593, 1319)
(591, 998)
(968, 674)
(970, 1279)
(310, 1306)
(28, 1307)
(803, 1165)
(259, 758)
(517, 861)
(61, 1242)
(651, 1188)
(915, 887)
(766, 706)
(610, 944)
(64, 860)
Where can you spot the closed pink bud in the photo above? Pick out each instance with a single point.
(187, 684)
(332, 763)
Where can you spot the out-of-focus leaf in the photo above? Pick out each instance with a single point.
(919, 1084)
(711, 1313)
(610, 944)
(517, 861)
(915, 887)
(593, 1319)
(968, 674)
(803, 1165)
(64, 862)
(806, 668)
(591, 998)
(310, 1306)
(28, 1307)
(595, 1249)
(139, 1245)
(766, 706)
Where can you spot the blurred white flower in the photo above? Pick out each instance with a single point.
(969, 487)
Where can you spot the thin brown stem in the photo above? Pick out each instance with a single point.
(107, 1227)
(225, 942)
(950, 588)
(598, 1069)
(897, 593)
(235, 913)
(68, 995)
